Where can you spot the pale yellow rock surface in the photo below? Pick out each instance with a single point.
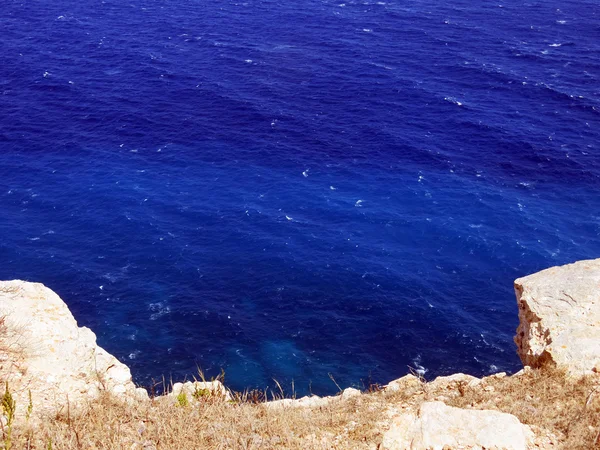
(437, 426)
(559, 317)
(46, 352)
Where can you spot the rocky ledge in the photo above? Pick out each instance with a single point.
(48, 360)
(45, 353)
(559, 317)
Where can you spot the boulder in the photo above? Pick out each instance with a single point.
(45, 354)
(559, 315)
(192, 392)
(438, 426)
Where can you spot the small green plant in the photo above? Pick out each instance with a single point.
(49, 447)
(198, 393)
(9, 406)
(182, 399)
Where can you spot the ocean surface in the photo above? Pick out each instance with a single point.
(309, 191)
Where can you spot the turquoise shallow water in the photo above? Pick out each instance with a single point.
(290, 191)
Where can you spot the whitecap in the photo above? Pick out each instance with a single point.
(333, 188)
(483, 339)
(453, 100)
(367, 30)
(159, 310)
(555, 45)
(249, 61)
(358, 203)
(34, 239)
(110, 277)
(288, 217)
(305, 173)
(561, 22)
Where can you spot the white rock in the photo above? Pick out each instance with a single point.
(451, 381)
(200, 389)
(313, 401)
(49, 355)
(559, 315)
(523, 371)
(437, 426)
(408, 383)
(350, 392)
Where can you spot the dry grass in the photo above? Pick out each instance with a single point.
(545, 398)
(568, 410)
(211, 424)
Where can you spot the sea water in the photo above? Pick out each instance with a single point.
(314, 191)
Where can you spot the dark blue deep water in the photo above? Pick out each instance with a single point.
(290, 190)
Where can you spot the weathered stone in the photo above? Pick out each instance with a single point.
(408, 384)
(437, 426)
(523, 371)
(313, 401)
(44, 352)
(451, 381)
(200, 390)
(559, 315)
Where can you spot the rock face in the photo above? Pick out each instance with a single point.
(437, 426)
(43, 351)
(559, 317)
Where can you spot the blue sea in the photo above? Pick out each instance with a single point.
(309, 191)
